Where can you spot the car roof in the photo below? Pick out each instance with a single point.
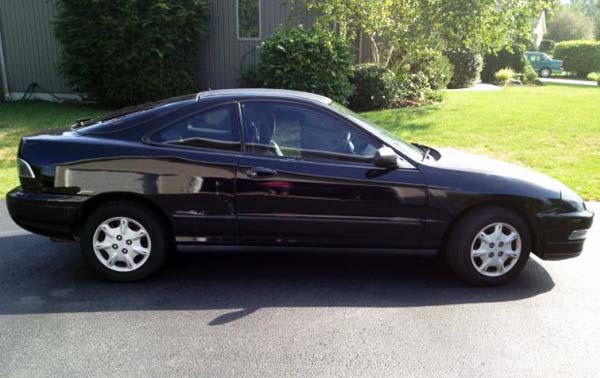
(262, 93)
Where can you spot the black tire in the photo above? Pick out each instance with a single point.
(545, 72)
(458, 251)
(156, 230)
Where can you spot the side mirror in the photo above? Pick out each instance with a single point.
(385, 157)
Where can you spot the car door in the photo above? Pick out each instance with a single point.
(307, 178)
(193, 173)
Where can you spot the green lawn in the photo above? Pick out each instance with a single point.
(553, 129)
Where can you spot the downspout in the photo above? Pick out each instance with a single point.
(3, 76)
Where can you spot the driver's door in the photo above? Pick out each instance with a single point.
(307, 178)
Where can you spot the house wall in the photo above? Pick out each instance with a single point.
(31, 52)
(222, 51)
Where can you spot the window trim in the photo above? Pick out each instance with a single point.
(326, 111)
(237, 23)
(146, 139)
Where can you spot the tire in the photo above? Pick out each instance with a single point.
(488, 264)
(545, 72)
(142, 244)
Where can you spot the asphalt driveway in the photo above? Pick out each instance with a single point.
(302, 315)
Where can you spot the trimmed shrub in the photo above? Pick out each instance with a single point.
(431, 62)
(529, 74)
(547, 46)
(131, 51)
(467, 68)
(376, 87)
(250, 78)
(313, 60)
(505, 58)
(414, 89)
(581, 57)
(594, 76)
(504, 75)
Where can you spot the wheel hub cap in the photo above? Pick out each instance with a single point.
(121, 244)
(496, 249)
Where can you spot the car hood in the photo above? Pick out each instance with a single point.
(462, 161)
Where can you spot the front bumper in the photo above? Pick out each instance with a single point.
(557, 230)
(52, 215)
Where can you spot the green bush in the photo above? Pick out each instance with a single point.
(547, 46)
(504, 75)
(581, 57)
(376, 87)
(312, 60)
(529, 74)
(594, 76)
(467, 68)
(513, 59)
(250, 78)
(131, 51)
(414, 89)
(431, 62)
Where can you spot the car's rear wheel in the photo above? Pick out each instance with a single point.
(489, 246)
(124, 241)
(545, 72)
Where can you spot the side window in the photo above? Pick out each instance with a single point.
(535, 57)
(215, 128)
(297, 131)
(248, 19)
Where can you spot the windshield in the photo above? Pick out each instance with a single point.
(407, 149)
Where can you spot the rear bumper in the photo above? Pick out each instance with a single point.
(557, 230)
(51, 215)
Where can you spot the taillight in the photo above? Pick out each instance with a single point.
(24, 169)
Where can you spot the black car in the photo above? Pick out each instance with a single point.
(282, 168)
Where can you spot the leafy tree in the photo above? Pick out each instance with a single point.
(131, 51)
(569, 24)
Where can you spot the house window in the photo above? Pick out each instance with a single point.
(248, 19)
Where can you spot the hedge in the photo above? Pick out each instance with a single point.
(376, 87)
(312, 60)
(131, 51)
(580, 56)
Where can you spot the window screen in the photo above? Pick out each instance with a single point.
(248, 15)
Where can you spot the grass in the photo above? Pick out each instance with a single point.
(25, 118)
(553, 129)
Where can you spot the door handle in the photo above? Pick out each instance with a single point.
(261, 172)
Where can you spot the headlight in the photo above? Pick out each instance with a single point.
(24, 169)
(573, 199)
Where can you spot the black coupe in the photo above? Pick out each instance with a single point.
(282, 168)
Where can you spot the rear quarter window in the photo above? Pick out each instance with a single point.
(132, 116)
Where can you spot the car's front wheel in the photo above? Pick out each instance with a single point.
(545, 72)
(489, 246)
(124, 241)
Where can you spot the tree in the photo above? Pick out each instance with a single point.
(131, 51)
(391, 25)
(569, 24)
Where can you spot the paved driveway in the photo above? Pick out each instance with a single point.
(569, 82)
(301, 315)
